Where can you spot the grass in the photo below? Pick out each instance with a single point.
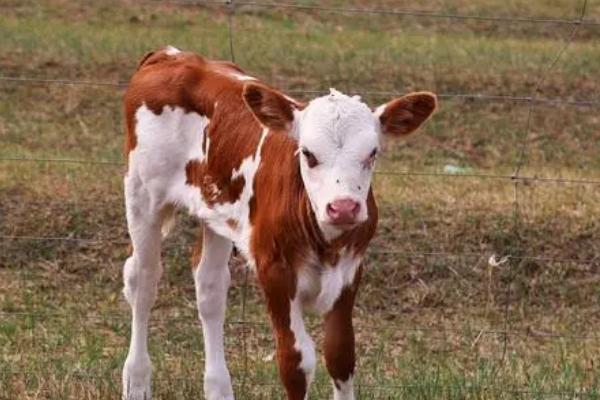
(432, 314)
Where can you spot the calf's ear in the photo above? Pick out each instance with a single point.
(404, 115)
(271, 108)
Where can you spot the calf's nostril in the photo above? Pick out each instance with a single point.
(343, 210)
(332, 211)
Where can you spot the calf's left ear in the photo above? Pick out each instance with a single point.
(404, 115)
(270, 107)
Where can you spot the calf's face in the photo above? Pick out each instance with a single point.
(338, 142)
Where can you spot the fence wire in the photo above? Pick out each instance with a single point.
(382, 11)
(373, 251)
(542, 74)
(432, 174)
(584, 103)
(516, 254)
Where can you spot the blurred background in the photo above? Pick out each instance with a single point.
(509, 167)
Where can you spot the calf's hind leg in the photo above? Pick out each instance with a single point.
(141, 274)
(212, 278)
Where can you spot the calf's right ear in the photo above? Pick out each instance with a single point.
(271, 108)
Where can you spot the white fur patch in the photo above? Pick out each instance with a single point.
(242, 77)
(379, 110)
(172, 51)
(165, 144)
(345, 391)
(320, 287)
(303, 342)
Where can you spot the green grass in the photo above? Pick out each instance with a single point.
(429, 326)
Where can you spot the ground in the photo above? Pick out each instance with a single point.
(434, 319)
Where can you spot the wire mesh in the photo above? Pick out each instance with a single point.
(516, 178)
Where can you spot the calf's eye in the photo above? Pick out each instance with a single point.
(369, 161)
(311, 160)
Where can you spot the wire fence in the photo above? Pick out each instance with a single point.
(380, 93)
(517, 253)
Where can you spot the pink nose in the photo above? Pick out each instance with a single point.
(343, 211)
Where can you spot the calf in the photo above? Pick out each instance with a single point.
(288, 183)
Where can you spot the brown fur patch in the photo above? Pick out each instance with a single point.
(197, 249)
(338, 344)
(213, 191)
(233, 190)
(232, 223)
(205, 140)
(195, 171)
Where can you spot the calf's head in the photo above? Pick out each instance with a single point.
(338, 142)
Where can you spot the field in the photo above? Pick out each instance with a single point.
(435, 319)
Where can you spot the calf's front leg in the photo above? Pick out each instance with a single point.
(338, 345)
(296, 357)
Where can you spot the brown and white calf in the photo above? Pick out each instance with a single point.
(287, 183)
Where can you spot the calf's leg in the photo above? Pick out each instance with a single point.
(212, 278)
(338, 344)
(295, 349)
(141, 274)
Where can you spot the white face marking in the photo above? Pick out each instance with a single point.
(171, 51)
(341, 133)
